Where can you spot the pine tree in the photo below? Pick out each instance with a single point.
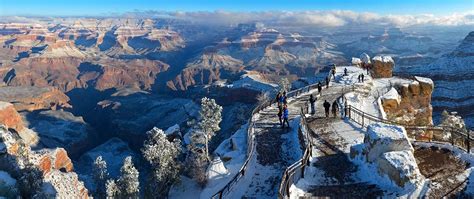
(162, 156)
(196, 159)
(284, 85)
(128, 182)
(112, 190)
(211, 117)
(100, 176)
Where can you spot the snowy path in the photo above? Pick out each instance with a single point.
(331, 173)
(276, 149)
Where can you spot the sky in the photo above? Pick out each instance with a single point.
(111, 7)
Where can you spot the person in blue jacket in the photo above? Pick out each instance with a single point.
(285, 116)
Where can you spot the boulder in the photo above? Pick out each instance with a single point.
(382, 66)
(382, 138)
(400, 167)
(391, 100)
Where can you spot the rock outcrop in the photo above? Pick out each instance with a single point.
(387, 147)
(382, 66)
(409, 102)
(10, 117)
(29, 98)
(59, 179)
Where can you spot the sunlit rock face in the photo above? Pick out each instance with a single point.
(29, 98)
(382, 66)
(409, 102)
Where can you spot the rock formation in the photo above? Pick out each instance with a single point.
(59, 180)
(382, 66)
(387, 147)
(29, 98)
(10, 117)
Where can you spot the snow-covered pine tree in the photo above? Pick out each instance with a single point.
(112, 190)
(128, 183)
(284, 85)
(196, 159)
(162, 156)
(100, 176)
(211, 117)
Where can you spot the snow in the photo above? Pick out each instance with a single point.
(384, 59)
(172, 129)
(356, 61)
(253, 82)
(385, 132)
(365, 58)
(216, 170)
(4, 105)
(392, 94)
(424, 80)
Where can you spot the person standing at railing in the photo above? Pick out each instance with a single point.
(335, 108)
(311, 102)
(326, 105)
(319, 88)
(277, 99)
(285, 116)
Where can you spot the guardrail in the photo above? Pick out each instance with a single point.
(458, 137)
(296, 171)
(250, 141)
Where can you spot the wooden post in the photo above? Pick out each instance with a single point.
(362, 119)
(468, 143)
(350, 111)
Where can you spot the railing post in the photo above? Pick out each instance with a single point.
(362, 119)
(350, 110)
(468, 143)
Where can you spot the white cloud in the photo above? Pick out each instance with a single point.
(335, 18)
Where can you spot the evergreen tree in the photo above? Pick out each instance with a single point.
(196, 159)
(162, 156)
(211, 117)
(100, 176)
(128, 183)
(112, 190)
(284, 85)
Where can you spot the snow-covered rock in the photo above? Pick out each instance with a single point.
(400, 167)
(382, 138)
(356, 61)
(365, 58)
(391, 98)
(382, 66)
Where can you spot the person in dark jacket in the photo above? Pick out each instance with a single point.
(284, 98)
(345, 71)
(319, 88)
(327, 82)
(277, 99)
(285, 116)
(335, 108)
(280, 114)
(326, 105)
(362, 77)
(311, 102)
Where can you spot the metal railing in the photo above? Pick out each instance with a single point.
(296, 171)
(459, 138)
(250, 141)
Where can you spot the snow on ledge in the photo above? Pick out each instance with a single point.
(384, 59)
(392, 94)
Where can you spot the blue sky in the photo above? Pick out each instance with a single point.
(106, 7)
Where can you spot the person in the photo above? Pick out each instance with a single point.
(358, 78)
(327, 82)
(345, 108)
(285, 116)
(319, 88)
(280, 114)
(284, 98)
(277, 99)
(345, 71)
(334, 73)
(335, 108)
(367, 69)
(326, 105)
(311, 101)
(362, 77)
